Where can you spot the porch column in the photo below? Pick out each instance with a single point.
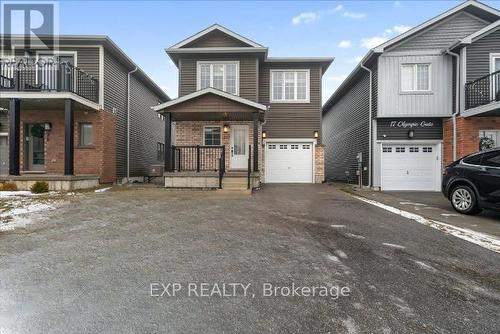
(255, 117)
(169, 166)
(68, 137)
(14, 135)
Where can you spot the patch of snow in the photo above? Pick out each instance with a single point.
(102, 190)
(450, 215)
(481, 239)
(393, 245)
(341, 254)
(357, 236)
(337, 226)
(411, 203)
(333, 258)
(30, 208)
(6, 194)
(350, 326)
(425, 266)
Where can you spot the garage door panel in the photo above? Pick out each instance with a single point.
(410, 167)
(289, 163)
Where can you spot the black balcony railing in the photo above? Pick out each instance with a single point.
(198, 158)
(482, 91)
(42, 76)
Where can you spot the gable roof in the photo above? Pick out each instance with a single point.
(476, 36)
(206, 91)
(220, 28)
(471, 5)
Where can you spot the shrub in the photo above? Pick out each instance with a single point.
(39, 187)
(9, 186)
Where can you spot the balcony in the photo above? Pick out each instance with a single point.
(483, 95)
(29, 75)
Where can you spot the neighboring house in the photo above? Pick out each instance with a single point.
(76, 114)
(398, 106)
(241, 114)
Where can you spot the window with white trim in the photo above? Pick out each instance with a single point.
(415, 78)
(488, 139)
(219, 75)
(290, 86)
(212, 135)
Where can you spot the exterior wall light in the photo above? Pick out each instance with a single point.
(226, 128)
(411, 134)
(47, 126)
(316, 134)
(264, 135)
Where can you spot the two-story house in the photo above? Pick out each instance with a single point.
(242, 117)
(76, 114)
(417, 102)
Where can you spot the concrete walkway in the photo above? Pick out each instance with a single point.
(432, 205)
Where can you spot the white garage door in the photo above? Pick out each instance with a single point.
(411, 167)
(289, 163)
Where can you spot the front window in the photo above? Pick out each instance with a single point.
(488, 139)
(290, 86)
(211, 136)
(86, 136)
(219, 75)
(160, 151)
(415, 77)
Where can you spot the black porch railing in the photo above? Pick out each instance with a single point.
(45, 76)
(482, 91)
(197, 158)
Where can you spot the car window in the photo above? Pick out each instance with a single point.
(491, 159)
(474, 159)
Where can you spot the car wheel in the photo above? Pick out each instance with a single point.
(463, 200)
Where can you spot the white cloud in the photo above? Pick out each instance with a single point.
(354, 15)
(401, 29)
(355, 60)
(371, 42)
(306, 17)
(338, 8)
(397, 3)
(337, 78)
(345, 44)
(374, 41)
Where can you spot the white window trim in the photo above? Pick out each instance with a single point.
(58, 53)
(216, 62)
(212, 126)
(308, 86)
(493, 56)
(414, 78)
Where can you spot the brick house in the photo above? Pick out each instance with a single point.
(242, 117)
(418, 102)
(76, 114)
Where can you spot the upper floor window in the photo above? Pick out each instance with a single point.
(219, 75)
(290, 86)
(415, 77)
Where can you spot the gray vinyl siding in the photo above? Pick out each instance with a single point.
(87, 59)
(292, 120)
(346, 132)
(442, 34)
(115, 100)
(146, 129)
(248, 74)
(215, 39)
(395, 103)
(478, 55)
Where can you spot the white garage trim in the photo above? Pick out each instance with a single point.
(312, 142)
(438, 167)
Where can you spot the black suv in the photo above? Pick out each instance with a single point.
(473, 183)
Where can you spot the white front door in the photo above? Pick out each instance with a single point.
(239, 146)
(411, 167)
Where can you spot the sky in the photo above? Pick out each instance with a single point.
(341, 29)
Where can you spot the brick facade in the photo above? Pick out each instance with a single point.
(98, 159)
(191, 133)
(467, 135)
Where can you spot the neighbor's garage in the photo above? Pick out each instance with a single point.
(289, 162)
(411, 167)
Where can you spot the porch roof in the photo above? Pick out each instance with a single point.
(211, 104)
(47, 100)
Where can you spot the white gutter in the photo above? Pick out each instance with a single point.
(128, 121)
(457, 99)
(370, 121)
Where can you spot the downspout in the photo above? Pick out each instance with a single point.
(128, 121)
(457, 99)
(370, 112)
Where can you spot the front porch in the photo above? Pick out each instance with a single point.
(212, 140)
(65, 143)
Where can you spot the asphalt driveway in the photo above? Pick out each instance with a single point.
(88, 267)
